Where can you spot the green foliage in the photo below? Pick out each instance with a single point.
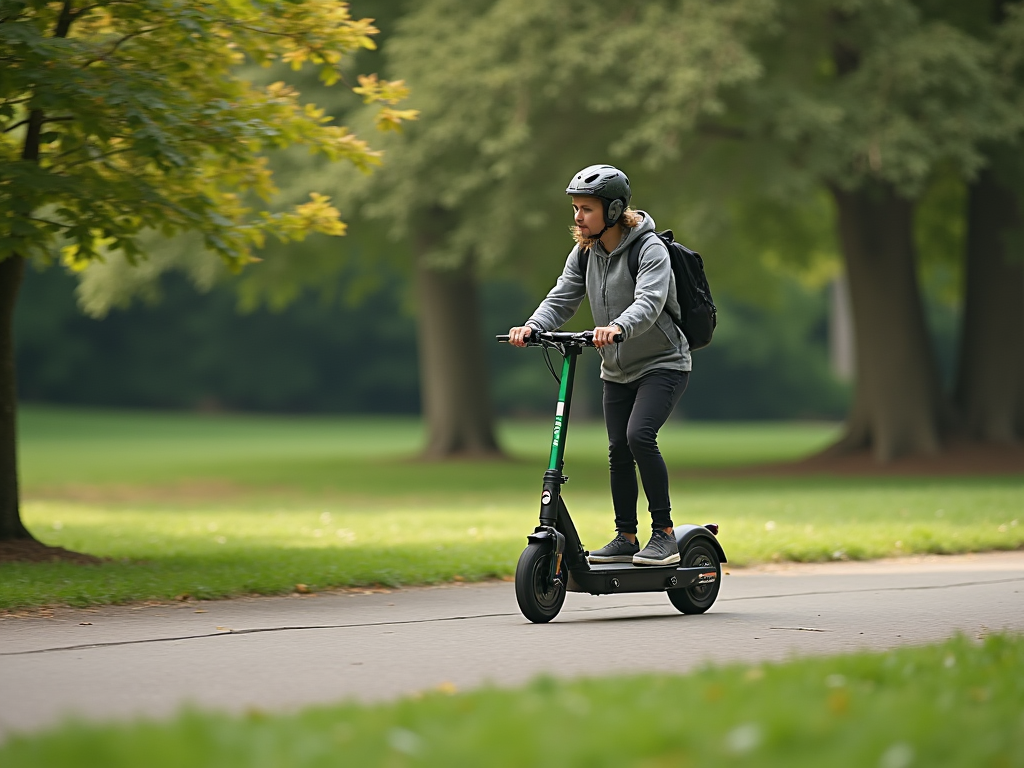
(940, 233)
(525, 95)
(122, 118)
(320, 354)
(733, 118)
(195, 351)
(767, 363)
(721, 111)
(876, 92)
(952, 704)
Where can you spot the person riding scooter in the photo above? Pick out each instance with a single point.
(646, 374)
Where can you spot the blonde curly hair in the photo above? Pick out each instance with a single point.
(629, 219)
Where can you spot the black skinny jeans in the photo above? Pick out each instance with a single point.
(634, 413)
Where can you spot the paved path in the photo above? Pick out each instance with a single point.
(278, 653)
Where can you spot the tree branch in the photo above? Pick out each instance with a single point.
(30, 150)
(50, 223)
(86, 8)
(16, 125)
(90, 159)
(67, 17)
(22, 100)
(119, 43)
(42, 122)
(257, 30)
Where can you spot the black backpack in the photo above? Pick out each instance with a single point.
(699, 315)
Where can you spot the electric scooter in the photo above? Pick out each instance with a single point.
(555, 561)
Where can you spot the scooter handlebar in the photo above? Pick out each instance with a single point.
(537, 338)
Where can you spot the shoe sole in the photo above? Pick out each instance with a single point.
(611, 559)
(671, 559)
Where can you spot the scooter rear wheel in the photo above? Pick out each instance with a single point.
(700, 597)
(540, 599)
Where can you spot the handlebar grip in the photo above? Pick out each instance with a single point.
(534, 335)
(539, 337)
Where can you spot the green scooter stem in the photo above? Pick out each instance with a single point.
(561, 426)
(553, 477)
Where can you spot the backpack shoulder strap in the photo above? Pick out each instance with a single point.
(633, 257)
(584, 258)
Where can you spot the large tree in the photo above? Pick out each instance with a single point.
(936, 99)
(513, 108)
(989, 389)
(716, 103)
(868, 100)
(121, 119)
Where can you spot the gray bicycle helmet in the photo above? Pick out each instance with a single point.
(607, 183)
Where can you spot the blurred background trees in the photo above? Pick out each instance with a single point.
(798, 145)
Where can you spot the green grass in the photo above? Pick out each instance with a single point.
(959, 703)
(220, 506)
(69, 447)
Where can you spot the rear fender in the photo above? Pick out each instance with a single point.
(687, 533)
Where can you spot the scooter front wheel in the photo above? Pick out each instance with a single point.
(540, 598)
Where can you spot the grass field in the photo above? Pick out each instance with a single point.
(69, 447)
(956, 704)
(214, 506)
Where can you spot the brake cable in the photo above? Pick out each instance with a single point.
(551, 366)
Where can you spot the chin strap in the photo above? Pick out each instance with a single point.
(607, 226)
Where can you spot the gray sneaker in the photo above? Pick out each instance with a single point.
(660, 550)
(618, 550)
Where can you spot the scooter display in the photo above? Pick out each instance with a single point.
(555, 561)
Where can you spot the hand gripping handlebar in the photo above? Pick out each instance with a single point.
(539, 338)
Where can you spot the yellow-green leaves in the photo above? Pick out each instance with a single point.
(126, 117)
(374, 90)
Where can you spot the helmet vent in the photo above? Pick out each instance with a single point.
(590, 179)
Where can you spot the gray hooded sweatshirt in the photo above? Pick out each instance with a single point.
(643, 310)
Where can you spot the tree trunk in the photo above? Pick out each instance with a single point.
(11, 527)
(11, 271)
(453, 365)
(899, 408)
(990, 379)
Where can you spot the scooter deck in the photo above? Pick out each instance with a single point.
(611, 578)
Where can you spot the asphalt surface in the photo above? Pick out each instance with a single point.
(280, 653)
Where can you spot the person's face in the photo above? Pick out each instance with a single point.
(588, 214)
